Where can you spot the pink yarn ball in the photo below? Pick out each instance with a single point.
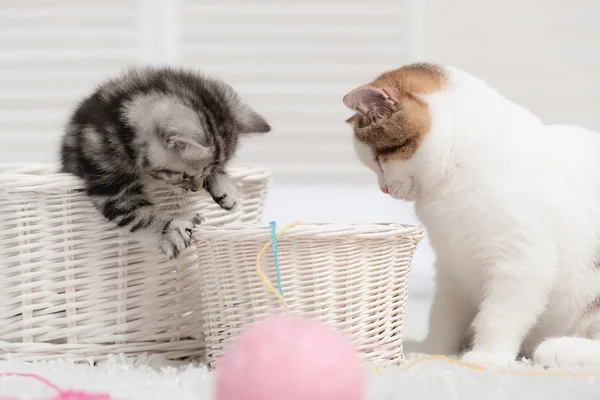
(283, 358)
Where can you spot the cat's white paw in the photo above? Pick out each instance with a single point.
(567, 352)
(487, 360)
(177, 235)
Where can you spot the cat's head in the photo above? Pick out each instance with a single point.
(182, 143)
(392, 124)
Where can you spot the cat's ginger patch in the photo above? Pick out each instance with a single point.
(390, 115)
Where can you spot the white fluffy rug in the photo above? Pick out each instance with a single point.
(147, 378)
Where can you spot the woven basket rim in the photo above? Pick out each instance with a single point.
(244, 232)
(32, 177)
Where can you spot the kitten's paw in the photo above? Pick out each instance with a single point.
(566, 352)
(487, 360)
(223, 191)
(198, 219)
(176, 237)
(225, 194)
(227, 201)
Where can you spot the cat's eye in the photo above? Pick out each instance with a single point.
(378, 163)
(186, 176)
(392, 149)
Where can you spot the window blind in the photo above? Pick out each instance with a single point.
(292, 60)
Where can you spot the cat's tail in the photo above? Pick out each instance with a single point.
(568, 352)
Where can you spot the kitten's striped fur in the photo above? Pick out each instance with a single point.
(156, 123)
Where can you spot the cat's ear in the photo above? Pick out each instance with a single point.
(189, 148)
(249, 121)
(352, 119)
(371, 100)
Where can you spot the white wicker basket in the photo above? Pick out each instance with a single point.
(74, 286)
(353, 277)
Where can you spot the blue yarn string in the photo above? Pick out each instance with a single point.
(276, 257)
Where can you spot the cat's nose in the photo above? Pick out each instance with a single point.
(385, 189)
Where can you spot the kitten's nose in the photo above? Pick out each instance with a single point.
(385, 190)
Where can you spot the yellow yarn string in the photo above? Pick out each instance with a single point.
(375, 367)
(503, 372)
(275, 292)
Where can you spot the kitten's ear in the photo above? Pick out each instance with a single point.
(188, 148)
(371, 100)
(249, 121)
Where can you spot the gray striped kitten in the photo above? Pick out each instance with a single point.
(157, 123)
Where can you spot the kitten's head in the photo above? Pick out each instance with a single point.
(391, 124)
(183, 142)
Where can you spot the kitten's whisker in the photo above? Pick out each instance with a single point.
(184, 198)
(176, 202)
(157, 209)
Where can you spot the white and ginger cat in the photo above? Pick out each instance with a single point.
(511, 206)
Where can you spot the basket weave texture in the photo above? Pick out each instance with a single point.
(74, 286)
(352, 277)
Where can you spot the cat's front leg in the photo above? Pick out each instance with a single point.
(449, 317)
(130, 209)
(515, 294)
(222, 189)
(176, 234)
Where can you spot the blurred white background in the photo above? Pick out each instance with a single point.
(294, 60)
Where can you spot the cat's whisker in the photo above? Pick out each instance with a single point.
(410, 210)
(398, 191)
(174, 204)
(157, 209)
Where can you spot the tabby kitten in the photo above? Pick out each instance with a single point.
(151, 124)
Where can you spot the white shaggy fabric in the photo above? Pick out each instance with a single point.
(148, 378)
